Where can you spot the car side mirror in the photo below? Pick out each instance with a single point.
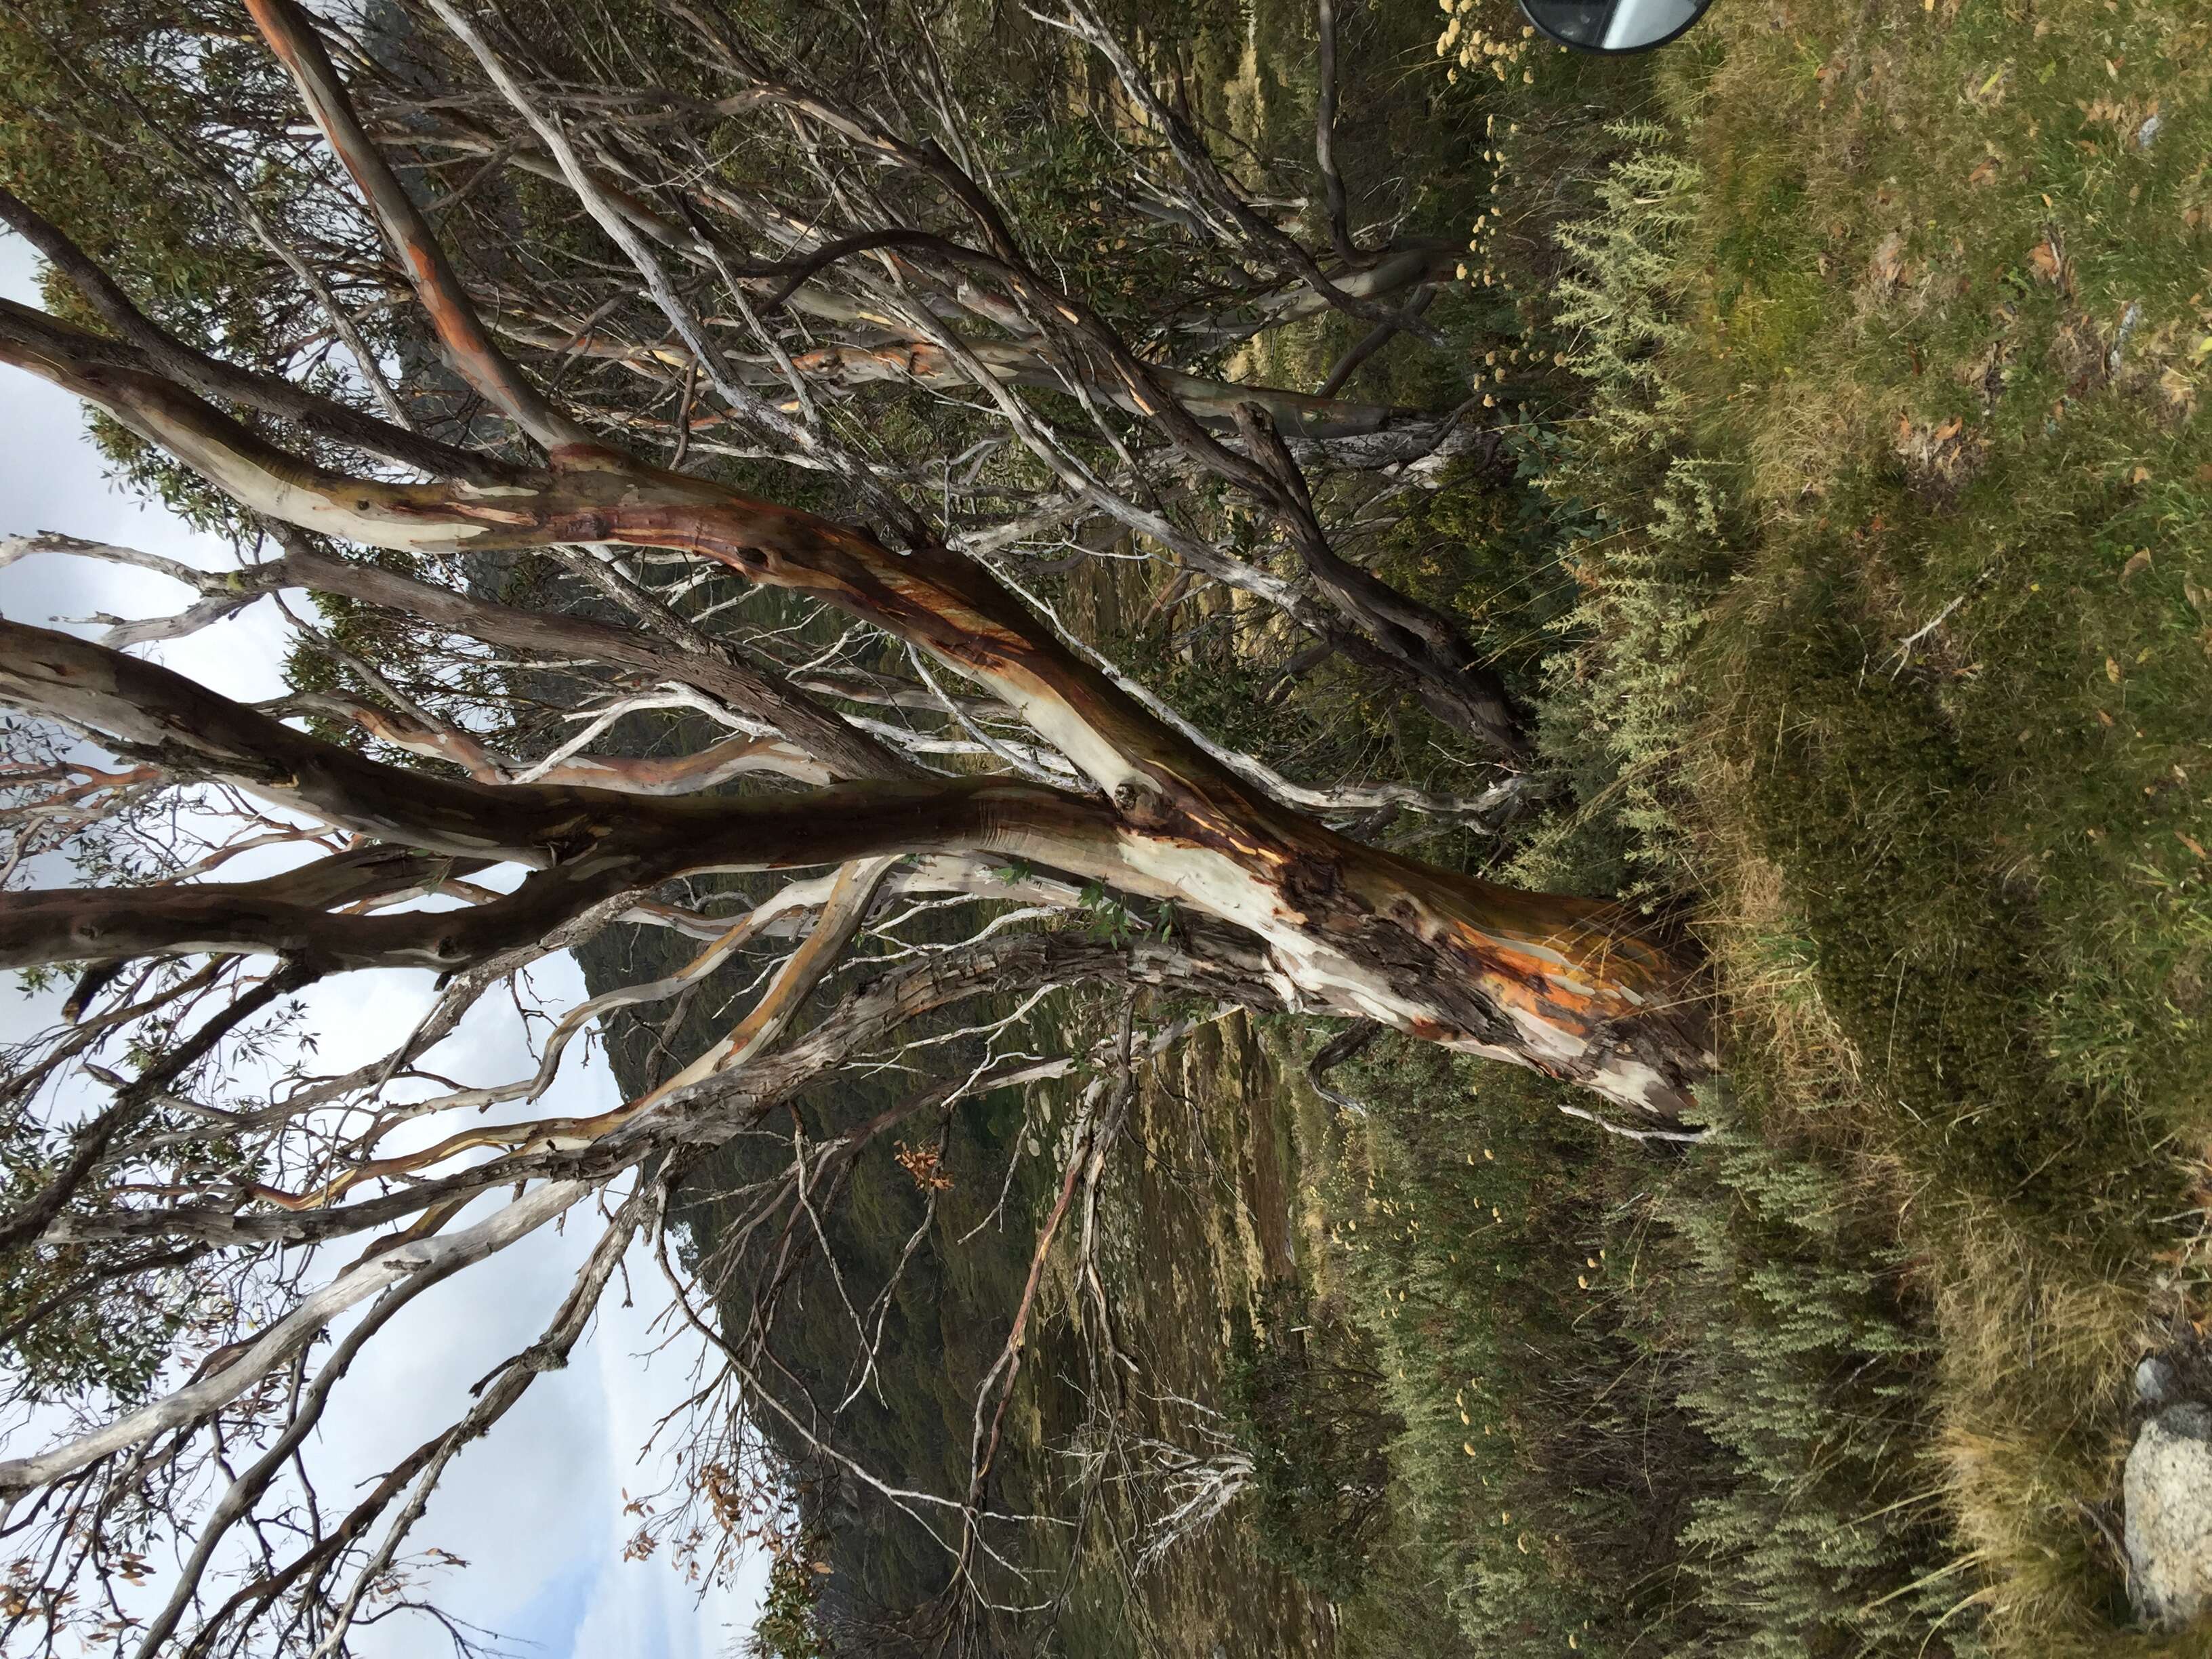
(1613, 26)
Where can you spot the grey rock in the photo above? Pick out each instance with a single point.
(2148, 130)
(2154, 1380)
(2128, 320)
(2167, 1491)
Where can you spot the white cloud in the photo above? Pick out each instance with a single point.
(535, 1508)
(52, 478)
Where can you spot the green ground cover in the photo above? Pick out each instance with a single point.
(1861, 356)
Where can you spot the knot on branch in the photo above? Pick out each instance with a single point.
(542, 1357)
(1131, 793)
(538, 1357)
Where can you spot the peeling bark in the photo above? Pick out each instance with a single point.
(1566, 986)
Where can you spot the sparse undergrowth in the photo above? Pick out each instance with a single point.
(1674, 1405)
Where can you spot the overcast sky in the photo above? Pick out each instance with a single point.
(536, 1509)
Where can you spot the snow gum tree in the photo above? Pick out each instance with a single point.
(530, 365)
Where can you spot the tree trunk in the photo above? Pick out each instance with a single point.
(1566, 986)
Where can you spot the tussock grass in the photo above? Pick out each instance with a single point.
(1977, 854)
(1974, 857)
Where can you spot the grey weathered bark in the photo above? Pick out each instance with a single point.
(1222, 884)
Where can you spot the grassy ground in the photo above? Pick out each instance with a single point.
(1877, 467)
(1948, 308)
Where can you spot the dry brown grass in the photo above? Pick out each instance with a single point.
(2035, 1403)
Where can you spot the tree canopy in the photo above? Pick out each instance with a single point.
(708, 437)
